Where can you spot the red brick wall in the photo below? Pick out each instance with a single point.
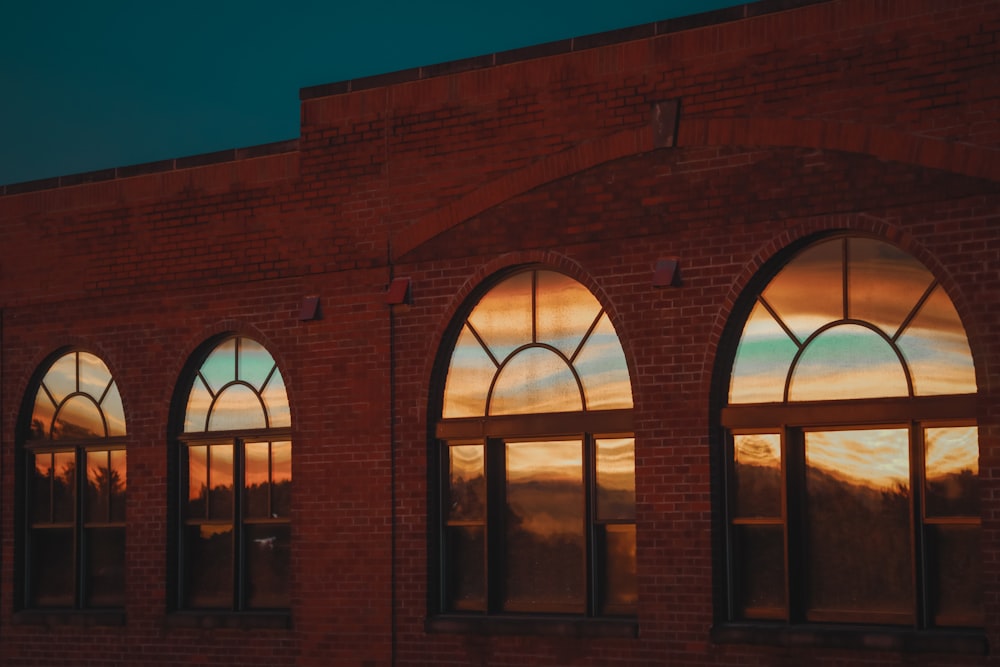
(875, 117)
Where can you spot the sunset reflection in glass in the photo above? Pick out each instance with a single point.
(538, 491)
(77, 489)
(236, 549)
(544, 542)
(861, 505)
(858, 509)
(848, 318)
(548, 346)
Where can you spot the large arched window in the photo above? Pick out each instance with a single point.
(536, 452)
(74, 537)
(236, 477)
(852, 448)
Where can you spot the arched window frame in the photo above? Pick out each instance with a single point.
(222, 438)
(776, 533)
(591, 436)
(73, 541)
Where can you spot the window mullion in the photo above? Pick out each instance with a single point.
(239, 557)
(793, 462)
(79, 539)
(918, 515)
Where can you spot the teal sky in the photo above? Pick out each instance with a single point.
(107, 83)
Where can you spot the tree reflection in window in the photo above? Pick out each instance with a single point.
(77, 479)
(236, 463)
(537, 456)
(852, 365)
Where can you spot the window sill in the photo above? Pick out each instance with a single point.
(84, 618)
(874, 638)
(245, 620)
(556, 626)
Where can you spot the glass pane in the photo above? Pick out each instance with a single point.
(94, 376)
(809, 291)
(620, 584)
(466, 571)
(276, 401)
(467, 483)
(952, 471)
(615, 479)
(884, 283)
(64, 487)
(936, 348)
(536, 380)
(197, 504)
(114, 412)
(759, 569)
(763, 358)
(956, 574)
(119, 482)
(98, 487)
(78, 418)
(469, 378)
(105, 578)
(41, 416)
(565, 310)
(257, 480)
(60, 380)
(268, 562)
(847, 361)
(544, 546)
(220, 504)
(237, 407)
(858, 520)
(255, 363)
(220, 366)
(51, 568)
(603, 370)
(196, 414)
(504, 316)
(208, 566)
(281, 479)
(757, 473)
(41, 488)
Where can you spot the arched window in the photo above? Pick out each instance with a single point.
(536, 452)
(852, 448)
(74, 546)
(236, 477)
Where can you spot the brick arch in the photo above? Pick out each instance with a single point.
(884, 143)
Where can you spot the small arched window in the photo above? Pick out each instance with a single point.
(537, 456)
(853, 455)
(236, 477)
(74, 546)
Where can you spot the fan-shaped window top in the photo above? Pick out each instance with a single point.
(238, 387)
(537, 342)
(77, 399)
(851, 318)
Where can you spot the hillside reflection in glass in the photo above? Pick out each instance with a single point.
(237, 460)
(536, 520)
(76, 492)
(851, 327)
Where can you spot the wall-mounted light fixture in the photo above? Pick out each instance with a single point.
(666, 273)
(309, 309)
(398, 292)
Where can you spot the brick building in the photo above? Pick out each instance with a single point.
(672, 345)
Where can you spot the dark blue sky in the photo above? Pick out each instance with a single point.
(88, 85)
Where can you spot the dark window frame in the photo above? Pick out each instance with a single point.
(238, 612)
(492, 432)
(791, 626)
(32, 443)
